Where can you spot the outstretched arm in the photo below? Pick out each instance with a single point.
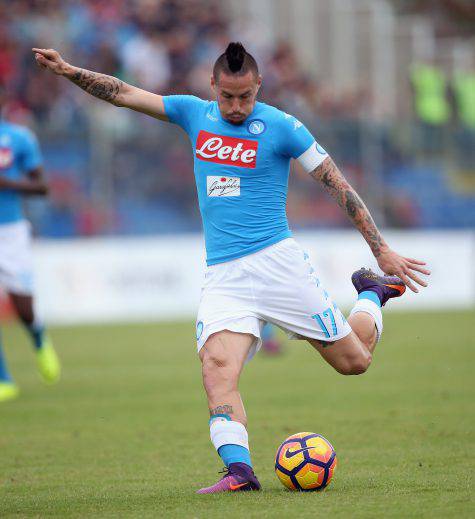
(34, 184)
(107, 88)
(389, 261)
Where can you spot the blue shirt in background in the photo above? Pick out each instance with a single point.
(19, 154)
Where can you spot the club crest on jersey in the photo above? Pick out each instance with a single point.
(256, 127)
(211, 117)
(6, 158)
(222, 149)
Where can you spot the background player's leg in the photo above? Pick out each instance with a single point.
(23, 305)
(4, 373)
(8, 389)
(270, 341)
(223, 357)
(48, 363)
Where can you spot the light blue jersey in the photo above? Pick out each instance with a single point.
(242, 172)
(19, 154)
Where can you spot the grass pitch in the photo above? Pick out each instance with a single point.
(125, 433)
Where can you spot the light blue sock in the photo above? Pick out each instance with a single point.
(372, 296)
(230, 452)
(235, 454)
(4, 373)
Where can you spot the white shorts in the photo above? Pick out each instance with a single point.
(276, 285)
(16, 267)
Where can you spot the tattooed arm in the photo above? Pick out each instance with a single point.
(337, 186)
(389, 261)
(103, 87)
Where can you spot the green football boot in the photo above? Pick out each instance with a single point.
(8, 391)
(48, 362)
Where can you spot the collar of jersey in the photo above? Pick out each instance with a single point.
(243, 124)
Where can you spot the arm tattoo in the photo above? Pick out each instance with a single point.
(221, 409)
(337, 186)
(101, 86)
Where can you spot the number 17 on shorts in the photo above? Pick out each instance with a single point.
(327, 322)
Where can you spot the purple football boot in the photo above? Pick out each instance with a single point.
(239, 477)
(385, 287)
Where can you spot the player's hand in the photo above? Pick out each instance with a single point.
(392, 263)
(51, 59)
(3, 182)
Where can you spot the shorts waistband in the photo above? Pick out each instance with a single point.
(261, 252)
(12, 226)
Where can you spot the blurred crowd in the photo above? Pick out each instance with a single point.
(139, 178)
(162, 45)
(149, 43)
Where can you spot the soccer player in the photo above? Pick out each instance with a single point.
(256, 272)
(21, 174)
(271, 344)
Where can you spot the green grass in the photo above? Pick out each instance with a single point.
(125, 433)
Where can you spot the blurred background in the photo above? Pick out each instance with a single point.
(386, 86)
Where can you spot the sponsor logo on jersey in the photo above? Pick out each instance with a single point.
(226, 150)
(223, 186)
(6, 158)
(256, 127)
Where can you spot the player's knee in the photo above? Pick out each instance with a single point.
(355, 365)
(214, 363)
(218, 373)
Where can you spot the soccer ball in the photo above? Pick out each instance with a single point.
(305, 461)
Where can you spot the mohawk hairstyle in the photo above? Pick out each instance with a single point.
(235, 60)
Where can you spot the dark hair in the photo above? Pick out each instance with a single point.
(235, 60)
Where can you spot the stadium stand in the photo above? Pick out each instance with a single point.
(114, 172)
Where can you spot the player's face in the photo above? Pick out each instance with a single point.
(236, 95)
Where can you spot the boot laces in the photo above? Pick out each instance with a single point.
(225, 471)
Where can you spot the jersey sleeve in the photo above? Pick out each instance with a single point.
(30, 152)
(297, 142)
(182, 109)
